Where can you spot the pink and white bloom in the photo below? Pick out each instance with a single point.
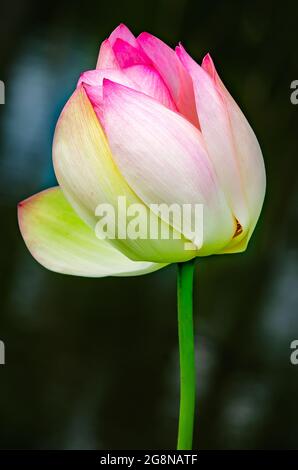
(152, 125)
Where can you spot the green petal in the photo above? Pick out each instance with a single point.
(59, 240)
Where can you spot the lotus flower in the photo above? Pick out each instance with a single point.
(152, 125)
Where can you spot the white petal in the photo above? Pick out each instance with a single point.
(248, 150)
(163, 158)
(216, 131)
(89, 176)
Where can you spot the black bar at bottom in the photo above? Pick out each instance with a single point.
(133, 459)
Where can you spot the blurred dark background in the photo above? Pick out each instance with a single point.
(94, 363)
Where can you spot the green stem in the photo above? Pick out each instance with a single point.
(187, 355)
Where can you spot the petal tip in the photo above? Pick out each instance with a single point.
(107, 83)
(181, 52)
(208, 65)
(109, 86)
(145, 38)
(143, 35)
(122, 31)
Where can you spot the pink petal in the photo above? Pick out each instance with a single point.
(92, 82)
(173, 73)
(149, 81)
(208, 66)
(122, 32)
(140, 77)
(128, 55)
(106, 58)
(162, 157)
